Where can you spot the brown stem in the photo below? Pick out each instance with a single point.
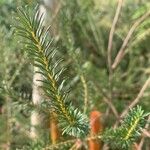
(109, 50)
(107, 100)
(140, 145)
(111, 35)
(121, 52)
(111, 106)
(136, 100)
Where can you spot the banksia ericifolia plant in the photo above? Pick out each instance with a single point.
(42, 51)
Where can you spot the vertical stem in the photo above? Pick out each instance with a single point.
(96, 128)
(121, 52)
(109, 50)
(85, 93)
(54, 131)
(141, 143)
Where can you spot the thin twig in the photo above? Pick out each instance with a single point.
(73, 147)
(112, 107)
(109, 50)
(146, 133)
(143, 138)
(85, 92)
(121, 52)
(78, 144)
(107, 100)
(136, 100)
(57, 146)
(111, 35)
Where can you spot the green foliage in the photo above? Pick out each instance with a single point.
(81, 39)
(126, 134)
(41, 50)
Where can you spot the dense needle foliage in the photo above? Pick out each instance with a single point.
(41, 50)
(75, 46)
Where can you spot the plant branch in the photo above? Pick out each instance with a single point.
(137, 99)
(143, 138)
(40, 48)
(69, 142)
(112, 107)
(85, 92)
(111, 35)
(109, 50)
(121, 52)
(107, 100)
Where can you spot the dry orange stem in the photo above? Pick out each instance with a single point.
(54, 131)
(96, 128)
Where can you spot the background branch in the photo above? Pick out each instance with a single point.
(121, 52)
(143, 138)
(109, 50)
(136, 100)
(111, 35)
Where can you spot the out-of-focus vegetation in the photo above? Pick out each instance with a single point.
(80, 30)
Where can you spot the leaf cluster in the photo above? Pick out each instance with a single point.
(127, 133)
(39, 48)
